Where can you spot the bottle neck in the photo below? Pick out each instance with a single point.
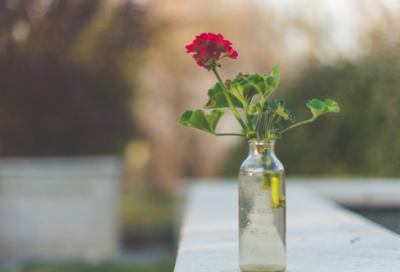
(261, 148)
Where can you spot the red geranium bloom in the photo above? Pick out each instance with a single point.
(208, 48)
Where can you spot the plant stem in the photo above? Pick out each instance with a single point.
(298, 124)
(270, 121)
(266, 124)
(258, 124)
(229, 134)
(260, 117)
(248, 118)
(230, 101)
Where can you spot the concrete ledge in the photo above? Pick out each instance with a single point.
(321, 235)
(356, 192)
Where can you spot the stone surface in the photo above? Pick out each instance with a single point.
(210, 229)
(62, 208)
(321, 236)
(356, 192)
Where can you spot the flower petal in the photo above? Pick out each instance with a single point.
(231, 53)
(202, 38)
(234, 55)
(220, 39)
(208, 48)
(199, 63)
(190, 48)
(225, 45)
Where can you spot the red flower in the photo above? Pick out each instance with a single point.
(208, 48)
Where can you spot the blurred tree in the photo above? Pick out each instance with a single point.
(64, 88)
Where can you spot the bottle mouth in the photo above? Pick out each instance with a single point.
(261, 142)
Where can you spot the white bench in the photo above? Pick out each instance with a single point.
(321, 235)
(59, 208)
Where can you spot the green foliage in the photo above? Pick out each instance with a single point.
(244, 88)
(277, 126)
(318, 107)
(255, 109)
(217, 99)
(198, 119)
(266, 107)
(282, 111)
(239, 93)
(273, 80)
(272, 134)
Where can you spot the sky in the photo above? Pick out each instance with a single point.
(342, 18)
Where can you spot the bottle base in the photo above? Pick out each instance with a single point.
(262, 268)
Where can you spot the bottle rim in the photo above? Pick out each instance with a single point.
(261, 142)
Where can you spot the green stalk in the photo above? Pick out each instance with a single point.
(248, 118)
(270, 121)
(230, 101)
(229, 134)
(260, 116)
(298, 124)
(266, 124)
(277, 121)
(258, 124)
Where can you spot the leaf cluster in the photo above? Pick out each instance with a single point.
(239, 93)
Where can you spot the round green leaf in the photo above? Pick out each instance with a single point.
(318, 107)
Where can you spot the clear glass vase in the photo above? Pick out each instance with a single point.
(262, 210)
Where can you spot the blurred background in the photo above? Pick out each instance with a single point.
(93, 164)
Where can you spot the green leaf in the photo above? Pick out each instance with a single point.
(266, 107)
(282, 111)
(318, 107)
(259, 84)
(217, 99)
(272, 135)
(214, 117)
(272, 81)
(255, 109)
(276, 74)
(198, 119)
(277, 126)
(242, 89)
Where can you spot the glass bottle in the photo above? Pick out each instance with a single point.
(262, 210)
